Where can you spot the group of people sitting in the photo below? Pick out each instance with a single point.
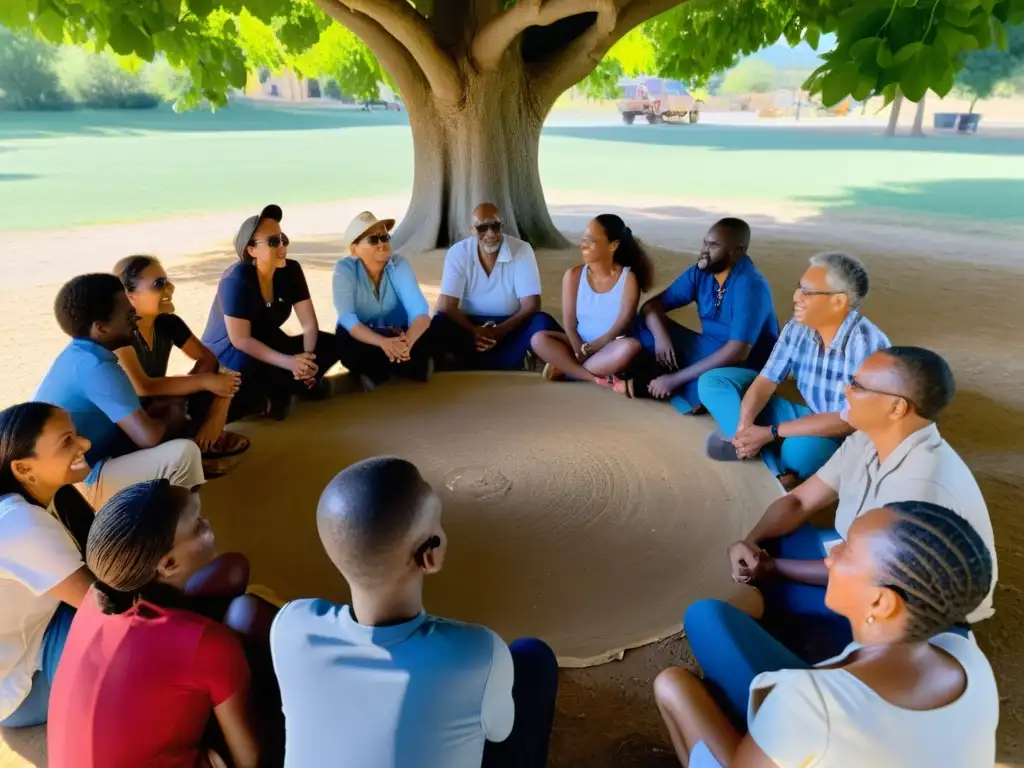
(121, 625)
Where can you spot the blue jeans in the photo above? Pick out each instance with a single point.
(456, 347)
(722, 389)
(32, 711)
(690, 347)
(533, 692)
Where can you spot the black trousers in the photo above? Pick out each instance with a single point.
(370, 361)
(261, 382)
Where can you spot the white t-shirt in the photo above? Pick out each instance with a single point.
(515, 276)
(828, 718)
(924, 467)
(426, 693)
(36, 554)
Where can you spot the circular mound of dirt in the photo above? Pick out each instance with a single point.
(573, 514)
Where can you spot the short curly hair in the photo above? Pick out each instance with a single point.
(85, 300)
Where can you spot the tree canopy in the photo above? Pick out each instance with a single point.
(984, 70)
(916, 45)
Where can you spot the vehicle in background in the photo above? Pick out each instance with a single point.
(657, 100)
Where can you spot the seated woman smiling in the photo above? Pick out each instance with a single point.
(911, 690)
(599, 301)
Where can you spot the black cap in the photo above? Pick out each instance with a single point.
(250, 225)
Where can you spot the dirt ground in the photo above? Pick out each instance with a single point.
(951, 286)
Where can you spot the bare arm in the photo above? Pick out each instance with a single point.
(72, 590)
(627, 314)
(653, 313)
(787, 514)
(206, 361)
(417, 328)
(816, 425)
(240, 335)
(234, 721)
(143, 429)
(803, 571)
(528, 306)
(757, 397)
(310, 328)
(449, 305)
(570, 286)
(164, 386)
(365, 334)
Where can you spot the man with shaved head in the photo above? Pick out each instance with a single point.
(381, 680)
(896, 454)
(489, 307)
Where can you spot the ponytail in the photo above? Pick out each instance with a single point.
(630, 252)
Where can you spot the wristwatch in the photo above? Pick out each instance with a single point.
(775, 432)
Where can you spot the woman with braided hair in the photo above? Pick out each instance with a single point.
(142, 669)
(599, 301)
(913, 689)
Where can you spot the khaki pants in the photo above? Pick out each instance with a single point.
(179, 461)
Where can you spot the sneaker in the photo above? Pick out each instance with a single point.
(718, 447)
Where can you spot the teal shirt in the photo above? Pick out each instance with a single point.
(396, 303)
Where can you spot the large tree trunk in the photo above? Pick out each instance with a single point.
(894, 114)
(482, 150)
(918, 129)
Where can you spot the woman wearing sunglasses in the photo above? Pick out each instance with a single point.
(206, 393)
(254, 299)
(913, 689)
(383, 317)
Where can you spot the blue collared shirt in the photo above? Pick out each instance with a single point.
(395, 304)
(87, 381)
(822, 373)
(746, 313)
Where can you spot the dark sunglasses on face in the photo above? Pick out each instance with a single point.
(856, 386)
(160, 283)
(492, 226)
(274, 241)
(376, 239)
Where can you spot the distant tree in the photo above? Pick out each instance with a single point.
(984, 70)
(631, 56)
(27, 77)
(750, 76)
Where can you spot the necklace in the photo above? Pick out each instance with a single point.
(719, 296)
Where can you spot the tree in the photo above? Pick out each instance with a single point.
(478, 77)
(983, 70)
(27, 78)
(749, 76)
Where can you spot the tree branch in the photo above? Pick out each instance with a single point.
(401, 21)
(493, 40)
(562, 71)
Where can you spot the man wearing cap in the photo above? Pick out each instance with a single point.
(383, 318)
(254, 299)
(489, 307)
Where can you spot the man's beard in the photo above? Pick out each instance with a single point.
(490, 247)
(711, 267)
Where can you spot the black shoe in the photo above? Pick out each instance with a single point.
(719, 448)
(322, 390)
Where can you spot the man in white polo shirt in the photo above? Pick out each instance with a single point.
(489, 307)
(897, 454)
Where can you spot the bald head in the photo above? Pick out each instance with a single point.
(486, 228)
(371, 515)
(486, 212)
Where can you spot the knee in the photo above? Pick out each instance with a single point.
(715, 382)
(703, 614)
(542, 321)
(539, 340)
(183, 455)
(227, 576)
(537, 651)
(251, 617)
(673, 684)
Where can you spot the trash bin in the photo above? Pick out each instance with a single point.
(945, 119)
(969, 123)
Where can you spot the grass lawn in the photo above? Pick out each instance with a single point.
(67, 169)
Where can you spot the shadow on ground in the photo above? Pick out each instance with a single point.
(756, 138)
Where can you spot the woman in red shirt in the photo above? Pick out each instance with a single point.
(140, 674)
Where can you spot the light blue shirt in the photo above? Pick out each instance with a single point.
(426, 693)
(395, 304)
(87, 381)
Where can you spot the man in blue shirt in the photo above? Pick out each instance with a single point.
(87, 381)
(738, 322)
(392, 685)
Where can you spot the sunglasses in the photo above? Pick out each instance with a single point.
(488, 226)
(856, 386)
(274, 241)
(375, 239)
(160, 283)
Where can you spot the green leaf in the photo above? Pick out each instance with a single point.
(865, 49)
(839, 83)
(812, 36)
(50, 24)
(961, 17)
(906, 53)
(884, 57)
(201, 8)
(15, 13)
(998, 33)
(916, 78)
(171, 7)
(865, 87)
(943, 84)
(956, 40)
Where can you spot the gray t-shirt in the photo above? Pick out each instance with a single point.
(426, 693)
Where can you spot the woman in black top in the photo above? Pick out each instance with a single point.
(254, 299)
(206, 393)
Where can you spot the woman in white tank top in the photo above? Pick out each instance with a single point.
(599, 302)
(911, 691)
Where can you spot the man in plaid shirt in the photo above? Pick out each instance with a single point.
(822, 347)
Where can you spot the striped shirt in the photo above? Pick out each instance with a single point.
(822, 373)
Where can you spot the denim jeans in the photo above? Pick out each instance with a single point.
(32, 711)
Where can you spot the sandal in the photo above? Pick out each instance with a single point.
(551, 373)
(619, 386)
(241, 445)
